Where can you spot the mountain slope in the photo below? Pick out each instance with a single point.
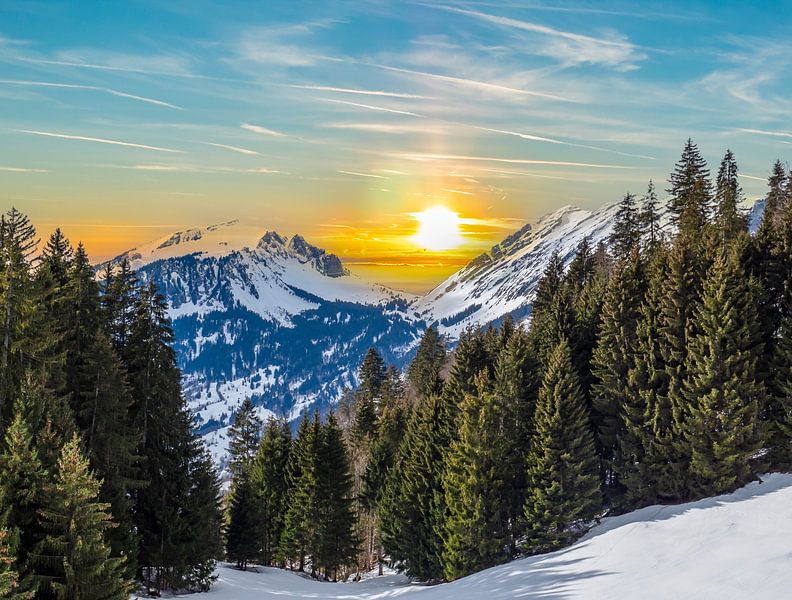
(733, 546)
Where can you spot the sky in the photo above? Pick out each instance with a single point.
(351, 121)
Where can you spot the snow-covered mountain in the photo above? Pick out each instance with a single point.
(259, 315)
(276, 319)
(732, 546)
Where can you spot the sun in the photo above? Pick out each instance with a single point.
(438, 229)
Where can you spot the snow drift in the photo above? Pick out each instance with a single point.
(733, 546)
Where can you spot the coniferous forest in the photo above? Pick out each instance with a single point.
(654, 369)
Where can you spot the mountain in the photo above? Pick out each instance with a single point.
(730, 546)
(257, 314)
(261, 315)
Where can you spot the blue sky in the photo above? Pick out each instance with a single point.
(123, 120)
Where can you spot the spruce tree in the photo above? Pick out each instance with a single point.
(728, 197)
(776, 197)
(299, 537)
(649, 219)
(269, 478)
(22, 479)
(424, 371)
(244, 436)
(476, 531)
(613, 359)
(409, 515)
(690, 192)
(626, 235)
(722, 392)
(563, 470)
(244, 532)
(75, 554)
(336, 543)
(10, 587)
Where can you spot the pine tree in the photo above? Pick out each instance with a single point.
(476, 532)
(336, 544)
(244, 436)
(244, 532)
(613, 359)
(269, 478)
(22, 479)
(626, 236)
(10, 587)
(562, 466)
(18, 242)
(722, 392)
(517, 381)
(424, 370)
(372, 374)
(775, 199)
(410, 520)
(75, 552)
(690, 192)
(649, 219)
(728, 197)
(299, 537)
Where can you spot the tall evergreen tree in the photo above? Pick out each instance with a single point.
(476, 531)
(244, 532)
(690, 192)
(10, 587)
(613, 359)
(649, 219)
(299, 537)
(728, 197)
(562, 466)
(424, 370)
(75, 554)
(626, 236)
(336, 544)
(269, 478)
(409, 516)
(722, 392)
(244, 436)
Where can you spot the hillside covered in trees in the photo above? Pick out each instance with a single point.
(102, 481)
(655, 369)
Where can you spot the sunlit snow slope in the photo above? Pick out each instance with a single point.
(728, 547)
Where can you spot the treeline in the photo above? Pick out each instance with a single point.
(657, 368)
(102, 481)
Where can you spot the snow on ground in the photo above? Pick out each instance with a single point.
(733, 546)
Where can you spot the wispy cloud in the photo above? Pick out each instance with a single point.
(485, 86)
(370, 107)
(537, 138)
(568, 47)
(236, 149)
(262, 130)
(781, 134)
(182, 168)
(92, 88)
(83, 138)
(362, 92)
(22, 170)
(362, 174)
(522, 161)
(391, 128)
(752, 177)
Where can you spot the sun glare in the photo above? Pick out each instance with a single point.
(438, 229)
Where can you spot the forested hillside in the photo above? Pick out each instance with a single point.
(656, 369)
(102, 480)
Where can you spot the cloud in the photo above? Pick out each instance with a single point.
(493, 88)
(521, 161)
(362, 174)
(82, 138)
(261, 130)
(567, 47)
(181, 168)
(536, 138)
(90, 88)
(280, 45)
(22, 170)
(236, 149)
(390, 128)
(370, 107)
(782, 134)
(324, 88)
